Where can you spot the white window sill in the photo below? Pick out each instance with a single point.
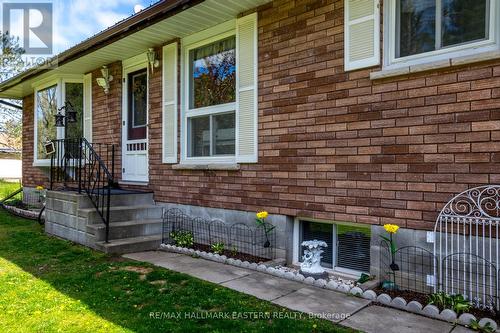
(457, 61)
(41, 163)
(211, 166)
(133, 182)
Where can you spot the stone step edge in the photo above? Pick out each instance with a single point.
(399, 303)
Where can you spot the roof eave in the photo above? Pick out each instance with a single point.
(128, 26)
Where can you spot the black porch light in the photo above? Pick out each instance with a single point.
(59, 119)
(70, 115)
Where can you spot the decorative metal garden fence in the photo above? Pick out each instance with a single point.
(466, 251)
(251, 243)
(415, 268)
(466, 245)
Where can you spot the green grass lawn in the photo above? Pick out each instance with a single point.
(51, 285)
(7, 188)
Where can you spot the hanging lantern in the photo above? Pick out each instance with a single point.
(70, 113)
(59, 119)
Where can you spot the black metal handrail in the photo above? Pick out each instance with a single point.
(79, 165)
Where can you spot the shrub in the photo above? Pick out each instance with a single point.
(182, 238)
(457, 302)
(217, 247)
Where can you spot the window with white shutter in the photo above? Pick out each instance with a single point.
(361, 34)
(169, 118)
(219, 113)
(247, 89)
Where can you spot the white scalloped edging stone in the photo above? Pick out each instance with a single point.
(332, 285)
(261, 268)
(466, 318)
(289, 276)
(344, 288)
(253, 266)
(398, 302)
(356, 291)
(414, 307)
(493, 324)
(321, 283)
(448, 315)
(431, 311)
(299, 278)
(370, 295)
(309, 280)
(384, 299)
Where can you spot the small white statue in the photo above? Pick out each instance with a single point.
(311, 264)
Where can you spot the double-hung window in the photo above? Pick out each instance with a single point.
(211, 93)
(420, 31)
(218, 94)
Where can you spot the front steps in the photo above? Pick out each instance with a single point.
(135, 221)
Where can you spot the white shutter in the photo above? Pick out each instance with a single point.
(361, 34)
(169, 119)
(247, 113)
(87, 107)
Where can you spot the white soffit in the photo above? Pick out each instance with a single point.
(187, 22)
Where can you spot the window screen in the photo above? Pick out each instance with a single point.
(353, 247)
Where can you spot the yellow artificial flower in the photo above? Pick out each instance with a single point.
(39, 188)
(262, 215)
(391, 228)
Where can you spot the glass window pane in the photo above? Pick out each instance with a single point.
(318, 231)
(224, 133)
(46, 109)
(74, 95)
(463, 21)
(199, 136)
(213, 74)
(353, 247)
(139, 99)
(416, 26)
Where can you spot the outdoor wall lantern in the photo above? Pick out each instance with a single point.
(69, 115)
(153, 62)
(106, 78)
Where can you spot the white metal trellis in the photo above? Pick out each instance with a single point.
(466, 245)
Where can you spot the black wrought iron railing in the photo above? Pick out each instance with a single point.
(77, 164)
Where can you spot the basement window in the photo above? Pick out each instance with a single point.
(348, 248)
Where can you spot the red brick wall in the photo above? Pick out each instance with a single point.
(106, 112)
(32, 176)
(336, 145)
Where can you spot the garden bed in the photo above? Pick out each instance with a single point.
(231, 254)
(424, 300)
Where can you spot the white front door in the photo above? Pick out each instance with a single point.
(135, 125)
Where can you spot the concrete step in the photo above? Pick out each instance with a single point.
(119, 230)
(123, 213)
(65, 199)
(129, 245)
(121, 200)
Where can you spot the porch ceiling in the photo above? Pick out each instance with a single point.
(194, 19)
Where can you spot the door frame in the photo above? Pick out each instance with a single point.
(131, 65)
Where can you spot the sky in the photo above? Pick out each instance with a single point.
(76, 20)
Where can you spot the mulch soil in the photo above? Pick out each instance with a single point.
(231, 254)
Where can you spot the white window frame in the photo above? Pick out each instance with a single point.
(60, 82)
(457, 51)
(189, 43)
(297, 249)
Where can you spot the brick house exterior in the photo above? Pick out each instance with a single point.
(333, 145)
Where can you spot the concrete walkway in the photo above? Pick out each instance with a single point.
(340, 308)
